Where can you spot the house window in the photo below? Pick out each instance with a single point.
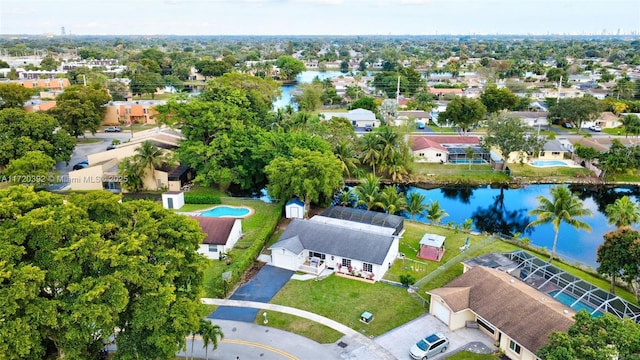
(514, 347)
(555, 153)
(316, 255)
(367, 267)
(542, 153)
(438, 155)
(485, 326)
(346, 262)
(421, 154)
(145, 111)
(213, 248)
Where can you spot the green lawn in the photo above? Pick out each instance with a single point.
(559, 173)
(84, 140)
(301, 326)
(344, 300)
(456, 174)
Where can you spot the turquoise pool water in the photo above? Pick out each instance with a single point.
(226, 211)
(466, 161)
(543, 163)
(569, 300)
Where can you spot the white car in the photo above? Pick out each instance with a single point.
(597, 128)
(429, 347)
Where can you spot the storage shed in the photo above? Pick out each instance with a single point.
(294, 209)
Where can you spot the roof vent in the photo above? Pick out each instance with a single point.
(565, 312)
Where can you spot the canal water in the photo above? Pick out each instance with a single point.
(505, 211)
(303, 77)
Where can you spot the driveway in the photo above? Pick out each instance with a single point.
(399, 340)
(261, 288)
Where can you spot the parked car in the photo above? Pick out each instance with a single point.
(81, 165)
(112, 146)
(113, 129)
(596, 128)
(420, 125)
(567, 125)
(429, 347)
(368, 127)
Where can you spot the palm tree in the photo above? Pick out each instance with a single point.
(395, 167)
(346, 198)
(563, 206)
(392, 201)
(371, 151)
(416, 204)
(129, 170)
(210, 335)
(623, 212)
(149, 157)
(469, 153)
(435, 213)
(368, 192)
(344, 152)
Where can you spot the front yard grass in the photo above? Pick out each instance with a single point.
(467, 355)
(560, 173)
(301, 326)
(457, 174)
(344, 300)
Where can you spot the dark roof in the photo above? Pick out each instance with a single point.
(334, 240)
(217, 230)
(518, 310)
(366, 217)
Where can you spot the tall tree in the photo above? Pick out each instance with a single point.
(211, 335)
(623, 212)
(368, 192)
(464, 113)
(92, 265)
(13, 95)
(345, 152)
(146, 83)
(149, 158)
(562, 207)
(309, 97)
(631, 124)
(371, 150)
(209, 68)
(81, 108)
(435, 213)
(495, 99)
(289, 67)
(310, 175)
(616, 255)
(392, 200)
(416, 204)
(21, 132)
(576, 110)
(510, 136)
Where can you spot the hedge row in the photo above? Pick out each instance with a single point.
(201, 199)
(243, 260)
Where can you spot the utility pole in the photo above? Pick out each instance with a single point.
(559, 88)
(398, 92)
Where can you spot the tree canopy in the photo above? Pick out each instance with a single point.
(13, 95)
(510, 135)
(576, 110)
(289, 67)
(73, 271)
(463, 112)
(618, 256)
(495, 99)
(595, 338)
(81, 108)
(21, 132)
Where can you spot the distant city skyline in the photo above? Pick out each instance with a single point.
(320, 17)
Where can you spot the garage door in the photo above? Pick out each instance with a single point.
(441, 312)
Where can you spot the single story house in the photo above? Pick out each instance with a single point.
(551, 150)
(357, 117)
(443, 149)
(534, 119)
(221, 234)
(518, 317)
(313, 246)
(366, 217)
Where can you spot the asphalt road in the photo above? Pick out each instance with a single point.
(81, 151)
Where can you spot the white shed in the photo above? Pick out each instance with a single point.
(294, 209)
(173, 199)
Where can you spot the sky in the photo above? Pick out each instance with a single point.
(318, 17)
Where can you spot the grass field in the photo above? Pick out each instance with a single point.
(300, 326)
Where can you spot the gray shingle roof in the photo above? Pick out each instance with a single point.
(553, 145)
(366, 217)
(334, 240)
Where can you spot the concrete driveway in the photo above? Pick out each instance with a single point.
(261, 288)
(399, 340)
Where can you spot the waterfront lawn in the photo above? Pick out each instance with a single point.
(301, 326)
(457, 174)
(557, 172)
(467, 355)
(344, 300)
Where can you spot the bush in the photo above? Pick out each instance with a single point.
(407, 279)
(201, 199)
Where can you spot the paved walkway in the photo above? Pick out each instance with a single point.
(365, 348)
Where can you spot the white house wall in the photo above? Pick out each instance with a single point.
(214, 255)
(234, 235)
(430, 155)
(285, 259)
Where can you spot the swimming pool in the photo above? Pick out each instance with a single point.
(544, 163)
(466, 161)
(227, 211)
(569, 300)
